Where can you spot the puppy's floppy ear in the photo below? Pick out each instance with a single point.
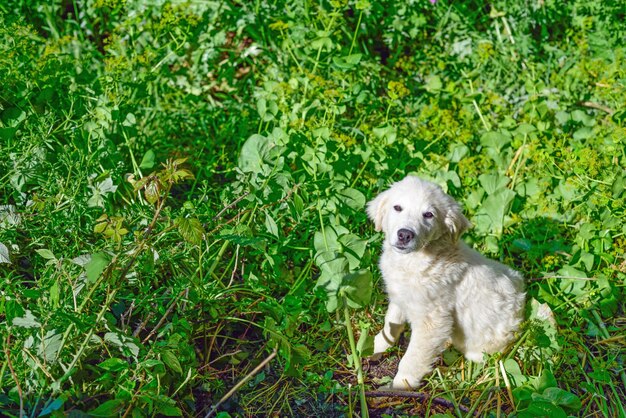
(456, 222)
(376, 210)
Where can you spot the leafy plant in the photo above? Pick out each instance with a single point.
(135, 287)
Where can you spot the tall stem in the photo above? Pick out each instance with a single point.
(356, 359)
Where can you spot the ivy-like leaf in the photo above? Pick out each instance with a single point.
(357, 288)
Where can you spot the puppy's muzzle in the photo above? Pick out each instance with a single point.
(405, 236)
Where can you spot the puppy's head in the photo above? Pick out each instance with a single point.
(414, 213)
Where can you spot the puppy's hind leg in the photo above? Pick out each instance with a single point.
(394, 325)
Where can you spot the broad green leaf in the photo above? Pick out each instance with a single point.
(130, 120)
(546, 335)
(352, 198)
(49, 348)
(111, 408)
(328, 239)
(587, 259)
(27, 321)
(171, 361)
(151, 190)
(332, 263)
(169, 410)
(516, 377)
(583, 117)
(4, 254)
(493, 182)
(347, 62)
(357, 288)
(562, 398)
(388, 133)
(271, 226)
(124, 343)
(457, 152)
(113, 364)
(525, 129)
(96, 265)
(330, 284)
(251, 156)
(545, 381)
(191, 230)
(495, 140)
(433, 84)
(55, 405)
(148, 160)
(45, 253)
(353, 248)
(541, 408)
(490, 217)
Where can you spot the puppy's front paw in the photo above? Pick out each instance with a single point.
(405, 382)
(381, 344)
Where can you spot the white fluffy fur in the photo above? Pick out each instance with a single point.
(446, 291)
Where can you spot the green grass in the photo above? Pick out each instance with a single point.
(182, 191)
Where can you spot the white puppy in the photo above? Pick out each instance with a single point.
(445, 290)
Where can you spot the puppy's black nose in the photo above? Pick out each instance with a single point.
(405, 236)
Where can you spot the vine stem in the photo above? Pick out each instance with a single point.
(356, 31)
(356, 359)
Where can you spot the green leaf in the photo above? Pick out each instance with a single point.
(545, 381)
(251, 156)
(4, 254)
(27, 321)
(540, 408)
(124, 343)
(113, 364)
(388, 133)
(433, 84)
(365, 345)
(495, 140)
(490, 217)
(353, 248)
(151, 190)
(49, 348)
(171, 361)
(55, 405)
(191, 230)
(130, 120)
(347, 62)
(352, 198)
(493, 182)
(109, 408)
(516, 377)
(562, 398)
(357, 288)
(45, 253)
(96, 265)
(148, 160)
(270, 225)
(329, 283)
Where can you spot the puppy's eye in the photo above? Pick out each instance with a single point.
(428, 215)
(397, 208)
